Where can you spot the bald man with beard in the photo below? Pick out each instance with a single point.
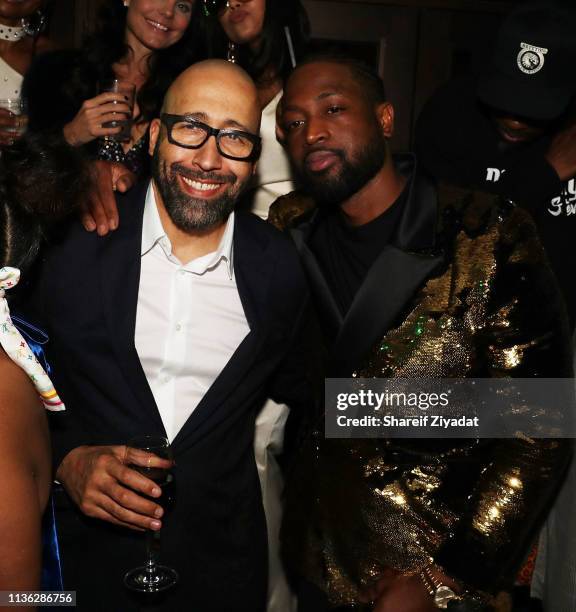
(179, 324)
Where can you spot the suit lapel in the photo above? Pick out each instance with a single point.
(253, 269)
(396, 275)
(392, 281)
(399, 271)
(120, 280)
(331, 319)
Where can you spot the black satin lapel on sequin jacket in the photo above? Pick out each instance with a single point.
(475, 298)
(399, 271)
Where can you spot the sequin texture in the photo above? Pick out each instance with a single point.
(359, 508)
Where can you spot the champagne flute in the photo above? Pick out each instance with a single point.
(143, 454)
(19, 119)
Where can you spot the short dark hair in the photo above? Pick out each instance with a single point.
(368, 79)
(42, 179)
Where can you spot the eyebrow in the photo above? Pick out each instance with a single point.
(328, 94)
(201, 116)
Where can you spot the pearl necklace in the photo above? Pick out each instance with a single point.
(11, 34)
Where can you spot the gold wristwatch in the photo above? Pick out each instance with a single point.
(440, 593)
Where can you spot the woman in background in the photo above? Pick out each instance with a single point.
(144, 42)
(38, 185)
(21, 25)
(266, 38)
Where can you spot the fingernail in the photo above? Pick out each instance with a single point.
(90, 226)
(156, 525)
(158, 512)
(102, 229)
(156, 492)
(113, 224)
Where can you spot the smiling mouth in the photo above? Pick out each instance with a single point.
(157, 26)
(200, 186)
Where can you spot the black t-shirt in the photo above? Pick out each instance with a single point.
(456, 142)
(346, 253)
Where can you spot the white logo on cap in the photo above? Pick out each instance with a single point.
(531, 59)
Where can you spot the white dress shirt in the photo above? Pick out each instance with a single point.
(189, 320)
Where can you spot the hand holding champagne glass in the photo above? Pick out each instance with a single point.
(13, 120)
(107, 115)
(120, 118)
(151, 456)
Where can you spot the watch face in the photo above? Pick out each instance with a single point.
(444, 595)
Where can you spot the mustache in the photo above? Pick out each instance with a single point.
(200, 175)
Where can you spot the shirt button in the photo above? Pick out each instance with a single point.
(178, 327)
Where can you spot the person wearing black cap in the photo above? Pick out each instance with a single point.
(512, 130)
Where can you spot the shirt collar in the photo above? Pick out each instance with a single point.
(152, 230)
(153, 233)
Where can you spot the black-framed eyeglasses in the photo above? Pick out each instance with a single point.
(191, 134)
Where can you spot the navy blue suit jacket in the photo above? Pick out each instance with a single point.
(215, 536)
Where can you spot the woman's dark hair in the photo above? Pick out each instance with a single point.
(42, 180)
(106, 46)
(273, 57)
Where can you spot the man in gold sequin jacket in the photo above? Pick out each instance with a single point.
(411, 280)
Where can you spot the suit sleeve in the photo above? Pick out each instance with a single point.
(301, 367)
(525, 337)
(65, 429)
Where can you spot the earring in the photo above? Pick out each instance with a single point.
(126, 3)
(35, 25)
(232, 52)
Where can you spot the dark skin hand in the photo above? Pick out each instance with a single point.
(405, 594)
(100, 213)
(396, 592)
(104, 487)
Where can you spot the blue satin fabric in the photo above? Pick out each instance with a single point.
(51, 565)
(36, 339)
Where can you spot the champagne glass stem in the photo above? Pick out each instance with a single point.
(152, 544)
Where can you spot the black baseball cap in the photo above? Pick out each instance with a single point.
(533, 67)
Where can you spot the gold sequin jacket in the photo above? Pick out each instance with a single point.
(462, 290)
